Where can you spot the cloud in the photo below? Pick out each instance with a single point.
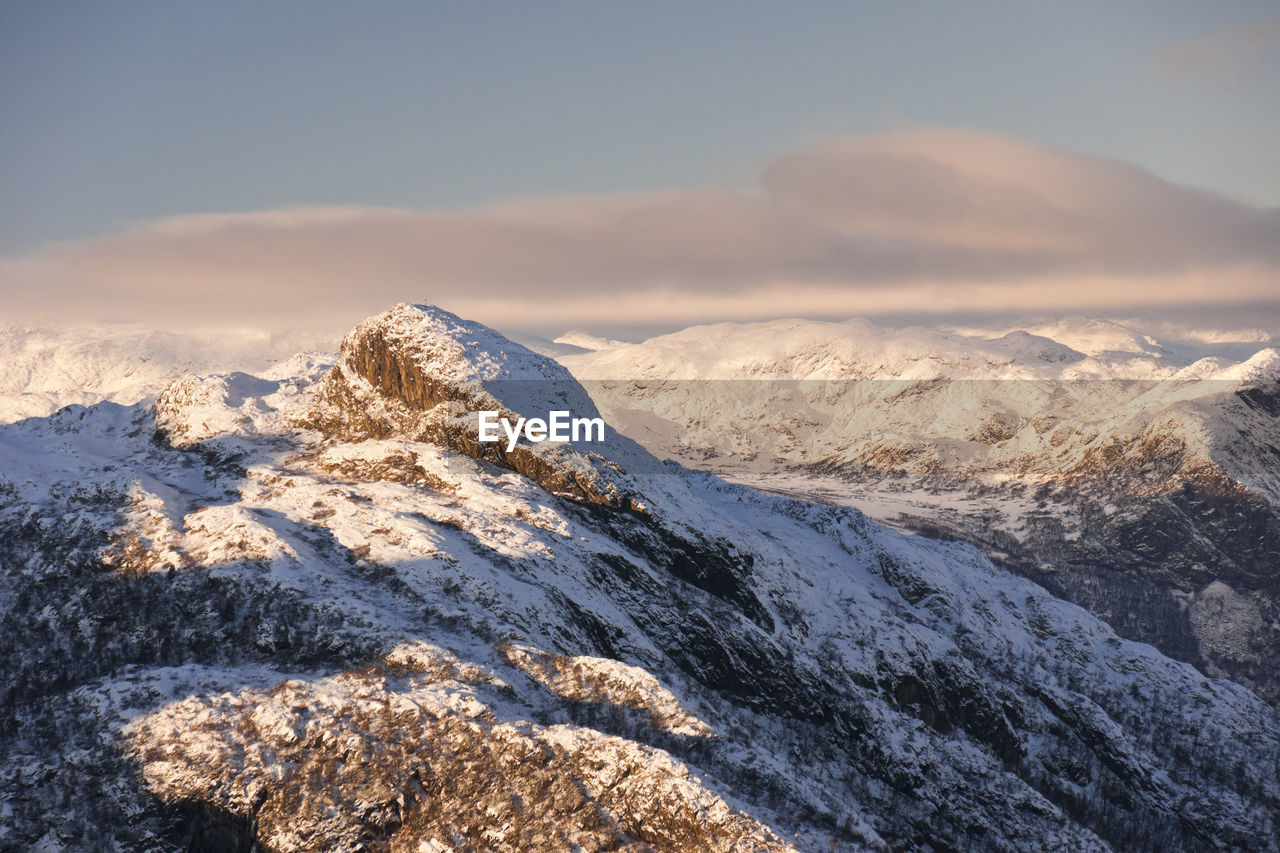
(930, 220)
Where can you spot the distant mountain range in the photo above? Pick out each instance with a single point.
(1135, 477)
(48, 366)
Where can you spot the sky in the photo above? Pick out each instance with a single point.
(596, 164)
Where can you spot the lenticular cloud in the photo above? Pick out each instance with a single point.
(922, 220)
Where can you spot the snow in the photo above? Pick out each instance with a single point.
(587, 341)
(857, 349)
(48, 367)
(804, 405)
(1032, 437)
(501, 611)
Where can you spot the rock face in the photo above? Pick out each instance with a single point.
(292, 611)
(422, 374)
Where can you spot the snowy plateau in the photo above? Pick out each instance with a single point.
(303, 608)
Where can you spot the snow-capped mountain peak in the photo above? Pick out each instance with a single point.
(300, 610)
(587, 341)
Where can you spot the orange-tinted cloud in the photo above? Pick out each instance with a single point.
(914, 221)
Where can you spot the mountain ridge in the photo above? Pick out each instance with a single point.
(250, 629)
(1132, 481)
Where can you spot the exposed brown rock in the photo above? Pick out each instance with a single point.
(379, 389)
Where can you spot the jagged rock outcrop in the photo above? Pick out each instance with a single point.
(420, 373)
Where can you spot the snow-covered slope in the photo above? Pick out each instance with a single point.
(587, 341)
(300, 609)
(1133, 477)
(1072, 349)
(47, 367)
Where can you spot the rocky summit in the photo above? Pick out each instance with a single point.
(306, 610)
